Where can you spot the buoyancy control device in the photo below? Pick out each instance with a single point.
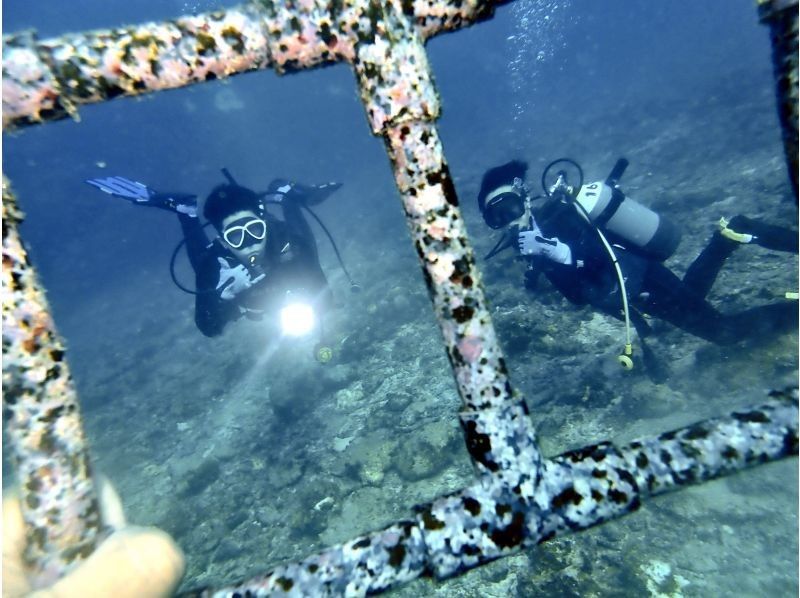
(636, 226)
(606, 208)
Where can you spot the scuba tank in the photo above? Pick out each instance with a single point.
(610, 209)
(602, 205)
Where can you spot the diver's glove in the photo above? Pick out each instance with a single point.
(531, 242)
(281, 190)
(232, 281)
(319, 193)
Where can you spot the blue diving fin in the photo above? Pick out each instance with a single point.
(121, 187)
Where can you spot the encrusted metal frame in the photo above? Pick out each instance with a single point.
(519, 498)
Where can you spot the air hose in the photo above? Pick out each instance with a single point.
(625, 358)
(354, 286)
(172, 260)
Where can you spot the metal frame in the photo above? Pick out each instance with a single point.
(519, 498)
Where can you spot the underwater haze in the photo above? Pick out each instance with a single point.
(250, 453)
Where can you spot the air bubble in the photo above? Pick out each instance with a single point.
(199, 6)
(538, 36)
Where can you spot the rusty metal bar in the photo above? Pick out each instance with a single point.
(40, 406)
(519, 499)
(397, 91)
(489, 519)
(597, 483)
(781, 16)
(48, 80)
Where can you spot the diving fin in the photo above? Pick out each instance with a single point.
(121, 187)
(133, 191)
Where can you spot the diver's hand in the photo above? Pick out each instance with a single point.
(531, 243)
(329, 187)
(232, 281)
(131, 562)
(285, 192)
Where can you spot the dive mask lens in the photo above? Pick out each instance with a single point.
(234, 236)
(503, 209)
(255, 229)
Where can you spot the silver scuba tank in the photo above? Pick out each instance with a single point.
(609, 209)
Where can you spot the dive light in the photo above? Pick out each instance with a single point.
(297, 319)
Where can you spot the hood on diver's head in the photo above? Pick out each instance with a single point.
(228, 199)
(498, 176)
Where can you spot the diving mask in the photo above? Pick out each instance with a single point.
(505, 204)
(245, 233)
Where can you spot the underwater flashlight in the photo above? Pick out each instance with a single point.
(297, 319)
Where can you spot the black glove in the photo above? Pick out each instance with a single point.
(319, 193)
(309, 195)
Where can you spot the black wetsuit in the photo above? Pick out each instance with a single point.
(654, 289)
(289, 262)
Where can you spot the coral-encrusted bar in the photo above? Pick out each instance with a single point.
(589, 486)
(31, 94)
(306, 34)
(519, 499)
(43, 423)
(100, 65)
(726, 445)
(394, 77)
(494, 432)
(439, 236)
(47, 80)
(439, 17)
(579, 489)
(366, 565)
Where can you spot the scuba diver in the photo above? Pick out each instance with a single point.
(600, 248)
(259, 263)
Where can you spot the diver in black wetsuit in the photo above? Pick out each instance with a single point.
(259, 263)
(579, 235)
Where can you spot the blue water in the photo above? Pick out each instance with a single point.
(232, 444)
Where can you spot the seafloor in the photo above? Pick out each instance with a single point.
(250, 453)
(251, 456)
